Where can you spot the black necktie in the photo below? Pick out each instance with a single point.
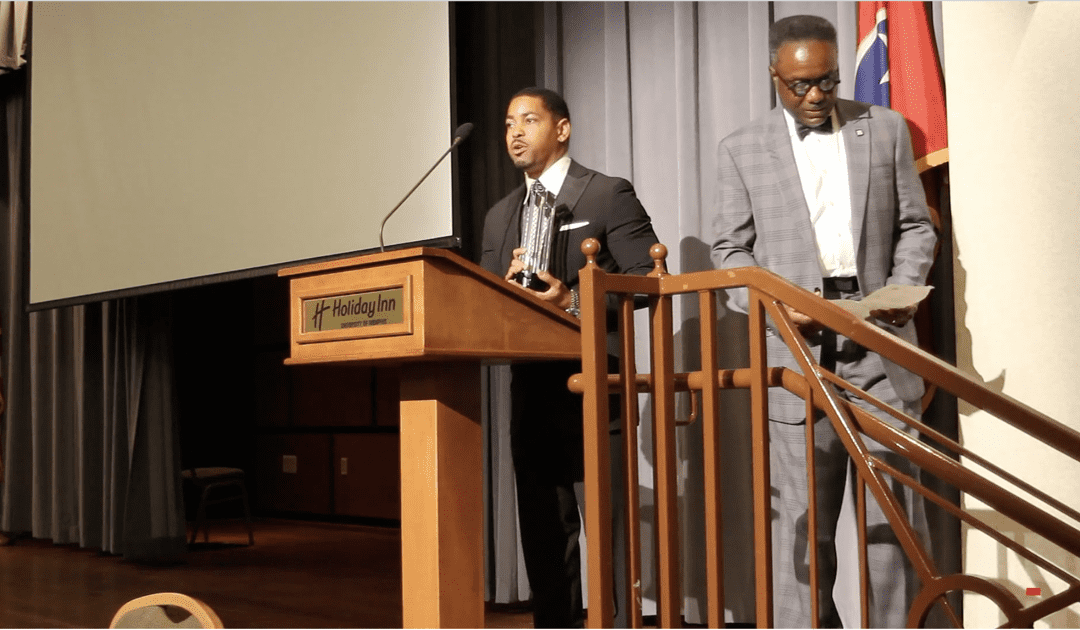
(804, 130)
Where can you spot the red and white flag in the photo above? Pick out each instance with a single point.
(897, 66)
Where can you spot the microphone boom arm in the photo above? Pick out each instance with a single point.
(462, 133)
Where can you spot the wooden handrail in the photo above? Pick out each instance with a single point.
(768, 293)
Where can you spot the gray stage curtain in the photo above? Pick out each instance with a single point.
(13, 26)
(505, 577)
(652, 89)
(89, 435)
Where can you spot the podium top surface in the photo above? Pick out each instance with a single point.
(378, 258)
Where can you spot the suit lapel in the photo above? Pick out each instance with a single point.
(855, 127)
(778, 141)
(577, 178)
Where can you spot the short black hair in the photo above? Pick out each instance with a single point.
(553, 101)
(799, 28)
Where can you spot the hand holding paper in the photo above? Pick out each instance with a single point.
(891, 304)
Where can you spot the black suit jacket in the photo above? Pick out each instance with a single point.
(589, 205)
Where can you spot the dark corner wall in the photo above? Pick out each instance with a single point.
(322, 441)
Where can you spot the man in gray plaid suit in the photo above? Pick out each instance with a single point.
(824, 192)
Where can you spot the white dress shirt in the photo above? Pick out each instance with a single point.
(552, 179)
(823, 171)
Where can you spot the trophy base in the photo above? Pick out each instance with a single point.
(530, 281)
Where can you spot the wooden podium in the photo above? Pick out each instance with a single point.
(439, 316)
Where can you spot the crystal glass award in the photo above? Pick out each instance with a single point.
(537, 234)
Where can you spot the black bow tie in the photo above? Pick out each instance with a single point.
(803, 130)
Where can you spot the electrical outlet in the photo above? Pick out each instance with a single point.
(344, 465)
(288, 464)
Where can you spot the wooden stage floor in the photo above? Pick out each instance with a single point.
(298, 575)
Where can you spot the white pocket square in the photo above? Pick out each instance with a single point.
(573, 226)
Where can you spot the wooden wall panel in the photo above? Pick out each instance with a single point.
(331, 395)
(370, 484)
(387, 406)
(306, 490)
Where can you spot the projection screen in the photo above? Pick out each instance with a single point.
(178, 142)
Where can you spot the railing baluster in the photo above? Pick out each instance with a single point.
(665, 473)
(632, 595)
(710, 434)
(811, 515)
(597, 441)
(759, 417)
(864, 565)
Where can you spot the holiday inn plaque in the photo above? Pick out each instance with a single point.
(365, 310)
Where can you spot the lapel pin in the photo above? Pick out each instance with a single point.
(858, 132)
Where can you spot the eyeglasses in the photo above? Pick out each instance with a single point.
(801, 87)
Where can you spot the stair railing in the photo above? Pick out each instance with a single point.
(948, 461)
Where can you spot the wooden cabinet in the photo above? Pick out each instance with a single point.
(330, 414)
(310, 417)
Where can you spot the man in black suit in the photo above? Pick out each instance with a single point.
(546, 419)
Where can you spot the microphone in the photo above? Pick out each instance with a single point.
(460, 134)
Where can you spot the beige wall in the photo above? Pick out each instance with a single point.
(1013, 88)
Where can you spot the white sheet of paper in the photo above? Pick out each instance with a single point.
(888, 296)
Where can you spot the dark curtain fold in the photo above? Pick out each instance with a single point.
(495, 58)
(14, 21)
(90, 439)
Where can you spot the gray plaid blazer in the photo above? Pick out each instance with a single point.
(762, 219)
